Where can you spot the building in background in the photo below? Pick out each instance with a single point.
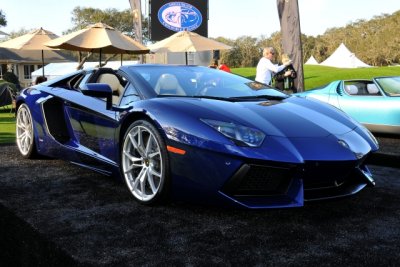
(23, 62)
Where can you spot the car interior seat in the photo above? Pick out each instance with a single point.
(351, 89)
(114, 83)
(168, 84)
(372, 89)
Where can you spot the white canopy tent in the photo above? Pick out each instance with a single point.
(343, 58)
(311, 61)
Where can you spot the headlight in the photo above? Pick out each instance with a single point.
(241, 135)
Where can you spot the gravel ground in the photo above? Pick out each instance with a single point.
(389, 145)
(53, 213)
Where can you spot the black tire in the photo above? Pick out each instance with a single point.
(25, 137)
(144, 163)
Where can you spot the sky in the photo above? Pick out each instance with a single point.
(227, 18)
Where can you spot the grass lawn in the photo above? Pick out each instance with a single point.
(7, 126)
(315, 76)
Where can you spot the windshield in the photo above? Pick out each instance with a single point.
(391, 85)
(197, 81)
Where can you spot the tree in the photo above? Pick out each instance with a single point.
(3, 20)
(18, 33)
(309, 43)
(248, 50)
(120, 20)
(375, 42)
(12, 79)
(273, 41)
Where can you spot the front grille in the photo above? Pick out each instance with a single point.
(328, 180)
(281, 184)
(319, 175)
(256, 180)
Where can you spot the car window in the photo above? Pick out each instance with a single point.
(69, 82)
(130, 95)
(196, 81)
(84, 80)
(361, 88)
(390, 85)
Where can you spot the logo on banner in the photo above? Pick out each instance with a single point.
(179, 16)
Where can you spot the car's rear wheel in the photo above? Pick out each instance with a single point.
(24, 132)
(145, 163)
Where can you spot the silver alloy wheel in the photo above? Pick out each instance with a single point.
(142, 163)
(24, 131)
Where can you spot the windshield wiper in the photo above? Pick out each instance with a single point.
(258, 97)
(244, 98)
(213, 97)
(165, 95)
(233, 98)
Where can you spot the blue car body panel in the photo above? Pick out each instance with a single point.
(379, 112)
(308, 145)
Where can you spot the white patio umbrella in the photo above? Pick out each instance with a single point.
(99, 38)
(33, 40)
(186, 41)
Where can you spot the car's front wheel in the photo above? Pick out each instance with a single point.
(145, 163)
(24, 132)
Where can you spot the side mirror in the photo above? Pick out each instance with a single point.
(100, 90)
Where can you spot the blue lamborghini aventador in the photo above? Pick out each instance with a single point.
(196, 133)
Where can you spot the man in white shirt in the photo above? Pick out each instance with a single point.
(265, 68)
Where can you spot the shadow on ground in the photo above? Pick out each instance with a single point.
(53, 213)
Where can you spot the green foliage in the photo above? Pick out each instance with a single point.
(83, 17)
(12, 86)
(18, 33)
(12, 80)
(7, 125)
(120, 20)
(10, 77)
(376, 42)
(3, 20)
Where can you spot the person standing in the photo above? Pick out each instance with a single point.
(284, 80)
(266, 69)
(224, 67)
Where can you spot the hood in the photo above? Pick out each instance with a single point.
(291, 117)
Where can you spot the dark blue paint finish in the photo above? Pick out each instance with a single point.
(298, 132)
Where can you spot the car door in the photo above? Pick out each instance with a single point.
(93, 127)
(364, 107)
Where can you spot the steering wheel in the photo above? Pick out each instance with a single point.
(206, 87)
